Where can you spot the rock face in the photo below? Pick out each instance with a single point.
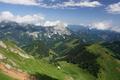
(19, 51)
(25, 33)
(2, 44)
(2, 57)
(15, 74)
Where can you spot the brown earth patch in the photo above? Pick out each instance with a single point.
(14, 73)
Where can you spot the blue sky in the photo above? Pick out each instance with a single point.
(68, 11)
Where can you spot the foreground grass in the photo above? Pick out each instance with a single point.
(4, 77)
(32, 66)
(67, 70)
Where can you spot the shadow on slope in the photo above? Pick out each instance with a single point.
(38, 76)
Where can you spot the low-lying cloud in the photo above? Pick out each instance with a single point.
(105, 25)
(30, 19)
(35, 19)
(101, 25)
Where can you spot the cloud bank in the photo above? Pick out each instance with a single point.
(30, 19)
(105, 25)
(114, 8)
(35, 19)
(101, 25)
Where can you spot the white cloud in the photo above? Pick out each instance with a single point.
(105, 25)
(49, 23)
(31, 19)
(72, 4)
(117, 29)
(58, 26)
(82, 4)
(101, 25)
(21, 2)
(64, 4)
(36, 19)
(114, 8)
(54, 23)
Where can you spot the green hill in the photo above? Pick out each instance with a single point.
(96, 59)
(40, 68)
(114, 47)
(36, 48)
(4, 77)
(109, 65)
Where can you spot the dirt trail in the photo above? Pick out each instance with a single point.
(14, 73)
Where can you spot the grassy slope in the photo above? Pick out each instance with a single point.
(75, 72)
(4, 77)
(110, 65)
(41, 66)
(64, 47)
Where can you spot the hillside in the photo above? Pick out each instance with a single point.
(109, 65)
(36, 48)
(114, 47)
(96, 59)
(78, 61)
(18, 60)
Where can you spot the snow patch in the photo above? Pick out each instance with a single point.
(33, 34)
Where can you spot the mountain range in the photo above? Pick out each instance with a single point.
(24, 33)
(72, 52)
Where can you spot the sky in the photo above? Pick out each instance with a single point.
(100, 14)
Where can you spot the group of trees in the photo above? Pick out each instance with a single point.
(114, 47)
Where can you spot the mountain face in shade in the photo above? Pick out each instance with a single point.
(87, 34)
(28, 32)
(25, 33)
